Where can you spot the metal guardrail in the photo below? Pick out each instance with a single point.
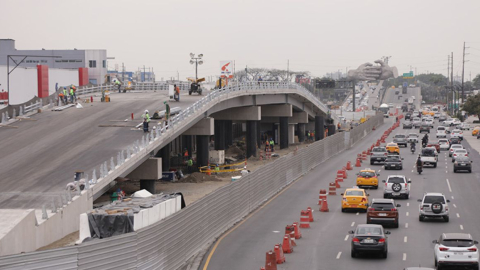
(168, 244)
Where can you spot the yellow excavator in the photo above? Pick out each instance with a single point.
(195, 86)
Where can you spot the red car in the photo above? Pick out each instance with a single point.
(434, 144)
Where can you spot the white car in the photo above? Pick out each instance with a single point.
(456, 121)
(396, 186)
(429, 156)
(436, 115)
(454, 147)
(456, 249)
(441, 132)
(464, 126)
(448, 122)
(416, 122)
(433, 205)
(429, 122)
(456, 133)
(444, 144)
(459, 153)
(412, 137)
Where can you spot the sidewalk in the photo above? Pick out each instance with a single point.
(467, 134)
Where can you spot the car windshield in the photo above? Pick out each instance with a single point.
(428, 152)
(369, 231)
(354, 193)
(399, 136)
(457, 242)
(382, 206)
(416, 119)
(379, 150)
(441, 128)
(460, 151)
(396, 180)
(413, 135)
(434, 199)
(463, 159)
(366, 174)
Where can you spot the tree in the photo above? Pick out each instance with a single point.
(472, 105)
(476, 81)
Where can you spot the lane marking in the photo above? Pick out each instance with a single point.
(449, 187)
(407, 214)
(406, 225)
(405, 239)
(461, 227)
(404, 256)
(357, 213)
(346, 237)
(446, 167)
(446, 171)
(339, 254)
(458, 215)
(452, 198)
(353, 223)
(276, 231)
(408, 204)
(412, 170)
(454, 205)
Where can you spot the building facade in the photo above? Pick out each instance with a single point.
(94, 60)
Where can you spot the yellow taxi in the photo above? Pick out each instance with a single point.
(355, 198)
(475, 130)
(393, 148)
(367, 178)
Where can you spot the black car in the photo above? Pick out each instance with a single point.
(408, 116)
(369, 238)
(462, 164)
(393, 162)
(407, 124)
(455, 140)
(424, 128)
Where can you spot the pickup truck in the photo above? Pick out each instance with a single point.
(429, 156)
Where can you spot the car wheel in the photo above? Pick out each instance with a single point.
(343, 210)
(353, 253)
(385, 254)
(385, 196)
(446, 218)
(396, 225)
(454, 170)
(371, 162)
(421, 218)
(190, 93)
(470, 171)
(435, 165)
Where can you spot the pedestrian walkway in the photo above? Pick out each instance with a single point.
(467, 134)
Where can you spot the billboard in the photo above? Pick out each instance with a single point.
(226, 69)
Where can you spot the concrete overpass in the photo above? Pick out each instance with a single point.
(288, 106)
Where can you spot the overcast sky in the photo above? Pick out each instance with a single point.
(314, 35)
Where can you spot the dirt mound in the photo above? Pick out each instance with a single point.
(234, 151)
(198, 177)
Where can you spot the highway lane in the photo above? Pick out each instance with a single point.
(326, 245)
(40, 157)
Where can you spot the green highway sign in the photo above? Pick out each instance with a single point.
(408, 75)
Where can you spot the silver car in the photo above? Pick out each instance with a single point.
(417, 122)
(396, 186)
(433, 205)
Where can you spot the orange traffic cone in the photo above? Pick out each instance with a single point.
(262, 268)
(208, 170)
(358, 164)
(271, 261)
(304, 219)
(344, 171)
(292, 239)
(349, 166)
(378, 143)
(289, 229)
(337, 183)
(298, 235)
(332, 189)
(324, 207)
(279, 254)
(310, 214)
(286, 247)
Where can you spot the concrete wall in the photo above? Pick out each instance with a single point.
(98, 73)
(24, 84)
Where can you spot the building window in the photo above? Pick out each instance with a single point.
(92, 64)
(104, 63)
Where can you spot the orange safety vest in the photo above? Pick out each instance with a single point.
(177, 90)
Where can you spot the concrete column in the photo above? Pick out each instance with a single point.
(319, 129)
(259, 135)
(251, 137)
(187, 143)
(164, 153)
(283, 132)
(301, 132)
(219, 134)
(228, 133)
(148, 185)
(202, 150)
(275, 133)
(291, 133)
(331, 129)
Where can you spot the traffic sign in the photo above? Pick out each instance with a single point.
(408, 75)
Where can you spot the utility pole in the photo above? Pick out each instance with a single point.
(178, 76)
(463, 72)
(448, 77)
(144, 74)
(288, 70)
(123, 73)
(451, 85)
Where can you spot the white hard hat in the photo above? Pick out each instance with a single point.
(146, 111)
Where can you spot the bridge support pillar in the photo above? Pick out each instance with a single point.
(319, 128)
(220, 134)
(259, 135)
(228, 133)
(331, 129)
(202, 150)
(252, 136)
(148, 185)
(283, 132)
(164, 153)
(301, 132)
(187, 143)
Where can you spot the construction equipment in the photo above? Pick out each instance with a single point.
(195, 86)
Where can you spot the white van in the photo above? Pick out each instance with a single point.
(441, 132)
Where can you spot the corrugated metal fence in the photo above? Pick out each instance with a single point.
(169, 243)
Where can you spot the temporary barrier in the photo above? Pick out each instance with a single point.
(332, 189)
(279, 254)
(349, 166)
(337, 183)
(271, 261)
(304, 219)
(286, 246)
(324, 207)
(310, 214)
(298, 235)
(322, 196)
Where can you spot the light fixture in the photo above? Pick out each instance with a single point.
(200, 62)
(192, 55)
(200, 55)
(191, 62)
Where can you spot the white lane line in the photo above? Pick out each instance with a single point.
(405, 239)
(408, 204)
(358, 213)
(461, 227)
(452, 198)
(406, 225)
(454, 205)
(276, 231)
(380, 170)
(404, 256)
(407, 214)
(446, 167)
(449, 187)
(446, 171)
(339, 254)
(346, 237)
(412, 170)
(353, 224)
(458, 215)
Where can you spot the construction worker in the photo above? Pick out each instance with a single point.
(60, 96)
(146, 120)
(217, 169)
(189, 165)
(167, 111)
(71, 94)
(118, 84)
(272, 143)
(267, 146)
(177, 92)
(185, 154)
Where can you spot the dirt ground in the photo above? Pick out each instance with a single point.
(193, 187)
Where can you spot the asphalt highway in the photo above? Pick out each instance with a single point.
(40, 157)
(326, 245)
